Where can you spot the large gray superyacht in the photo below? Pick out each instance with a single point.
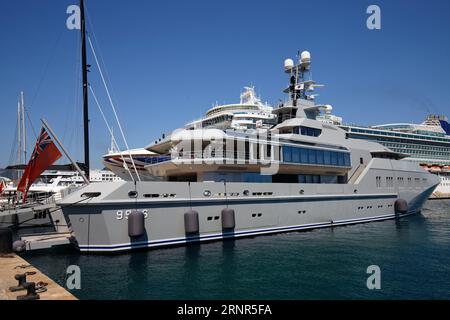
(220, 183)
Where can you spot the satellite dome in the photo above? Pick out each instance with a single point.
(288, 64)
(305, 57)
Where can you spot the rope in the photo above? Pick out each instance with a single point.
(111, 132)
(113, 108)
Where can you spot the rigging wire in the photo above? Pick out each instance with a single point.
(71, 112)
(113, 107)
(100, 54)
(41, 81)
(27, 113)
(105, 78)
(13, 147)
(111, 132)
(73, 142)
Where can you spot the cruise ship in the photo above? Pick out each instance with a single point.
(427, 144)
(218, 182)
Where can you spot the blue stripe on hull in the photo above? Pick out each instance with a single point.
(250, 199)
(160, 243)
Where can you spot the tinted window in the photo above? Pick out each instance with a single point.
(303, 131)
(347, 160)
(296, 155)
(334, 160)
(340, 158)
(327, 157)
(303, 155)
(320, 156)
(312, 156)
(287, 154)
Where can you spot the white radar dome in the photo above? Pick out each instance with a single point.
(288, 64)
(305, 57)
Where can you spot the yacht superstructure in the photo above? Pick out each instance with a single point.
(224, 182)
(250, 113)
(427, 144)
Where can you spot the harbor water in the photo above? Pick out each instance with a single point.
(413, 255)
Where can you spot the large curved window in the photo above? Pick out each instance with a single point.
(307, 131)
(316, 156)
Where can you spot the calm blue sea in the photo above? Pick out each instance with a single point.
(413, 254)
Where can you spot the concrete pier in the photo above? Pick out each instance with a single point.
(10, 266)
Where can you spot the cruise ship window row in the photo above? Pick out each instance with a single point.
(396, 134)
(313, 156)
(216, 120)
(418, 146)
(421, 152)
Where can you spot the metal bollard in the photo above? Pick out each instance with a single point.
(22, 278)
(31, 292)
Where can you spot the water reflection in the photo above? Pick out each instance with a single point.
(323, 263)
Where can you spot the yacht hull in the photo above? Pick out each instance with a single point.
(100, 224)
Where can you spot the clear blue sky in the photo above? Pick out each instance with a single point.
(169, 61)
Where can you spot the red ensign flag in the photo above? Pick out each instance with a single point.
(44, 155)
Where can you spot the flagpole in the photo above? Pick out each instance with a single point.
(81, 172)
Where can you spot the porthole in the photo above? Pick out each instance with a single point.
(132, 194)
(246, 192)
(91, 194)
(207, 193)
(302, 191)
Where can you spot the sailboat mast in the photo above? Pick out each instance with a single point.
(24, 133)
(19, 143)
(85, 89)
